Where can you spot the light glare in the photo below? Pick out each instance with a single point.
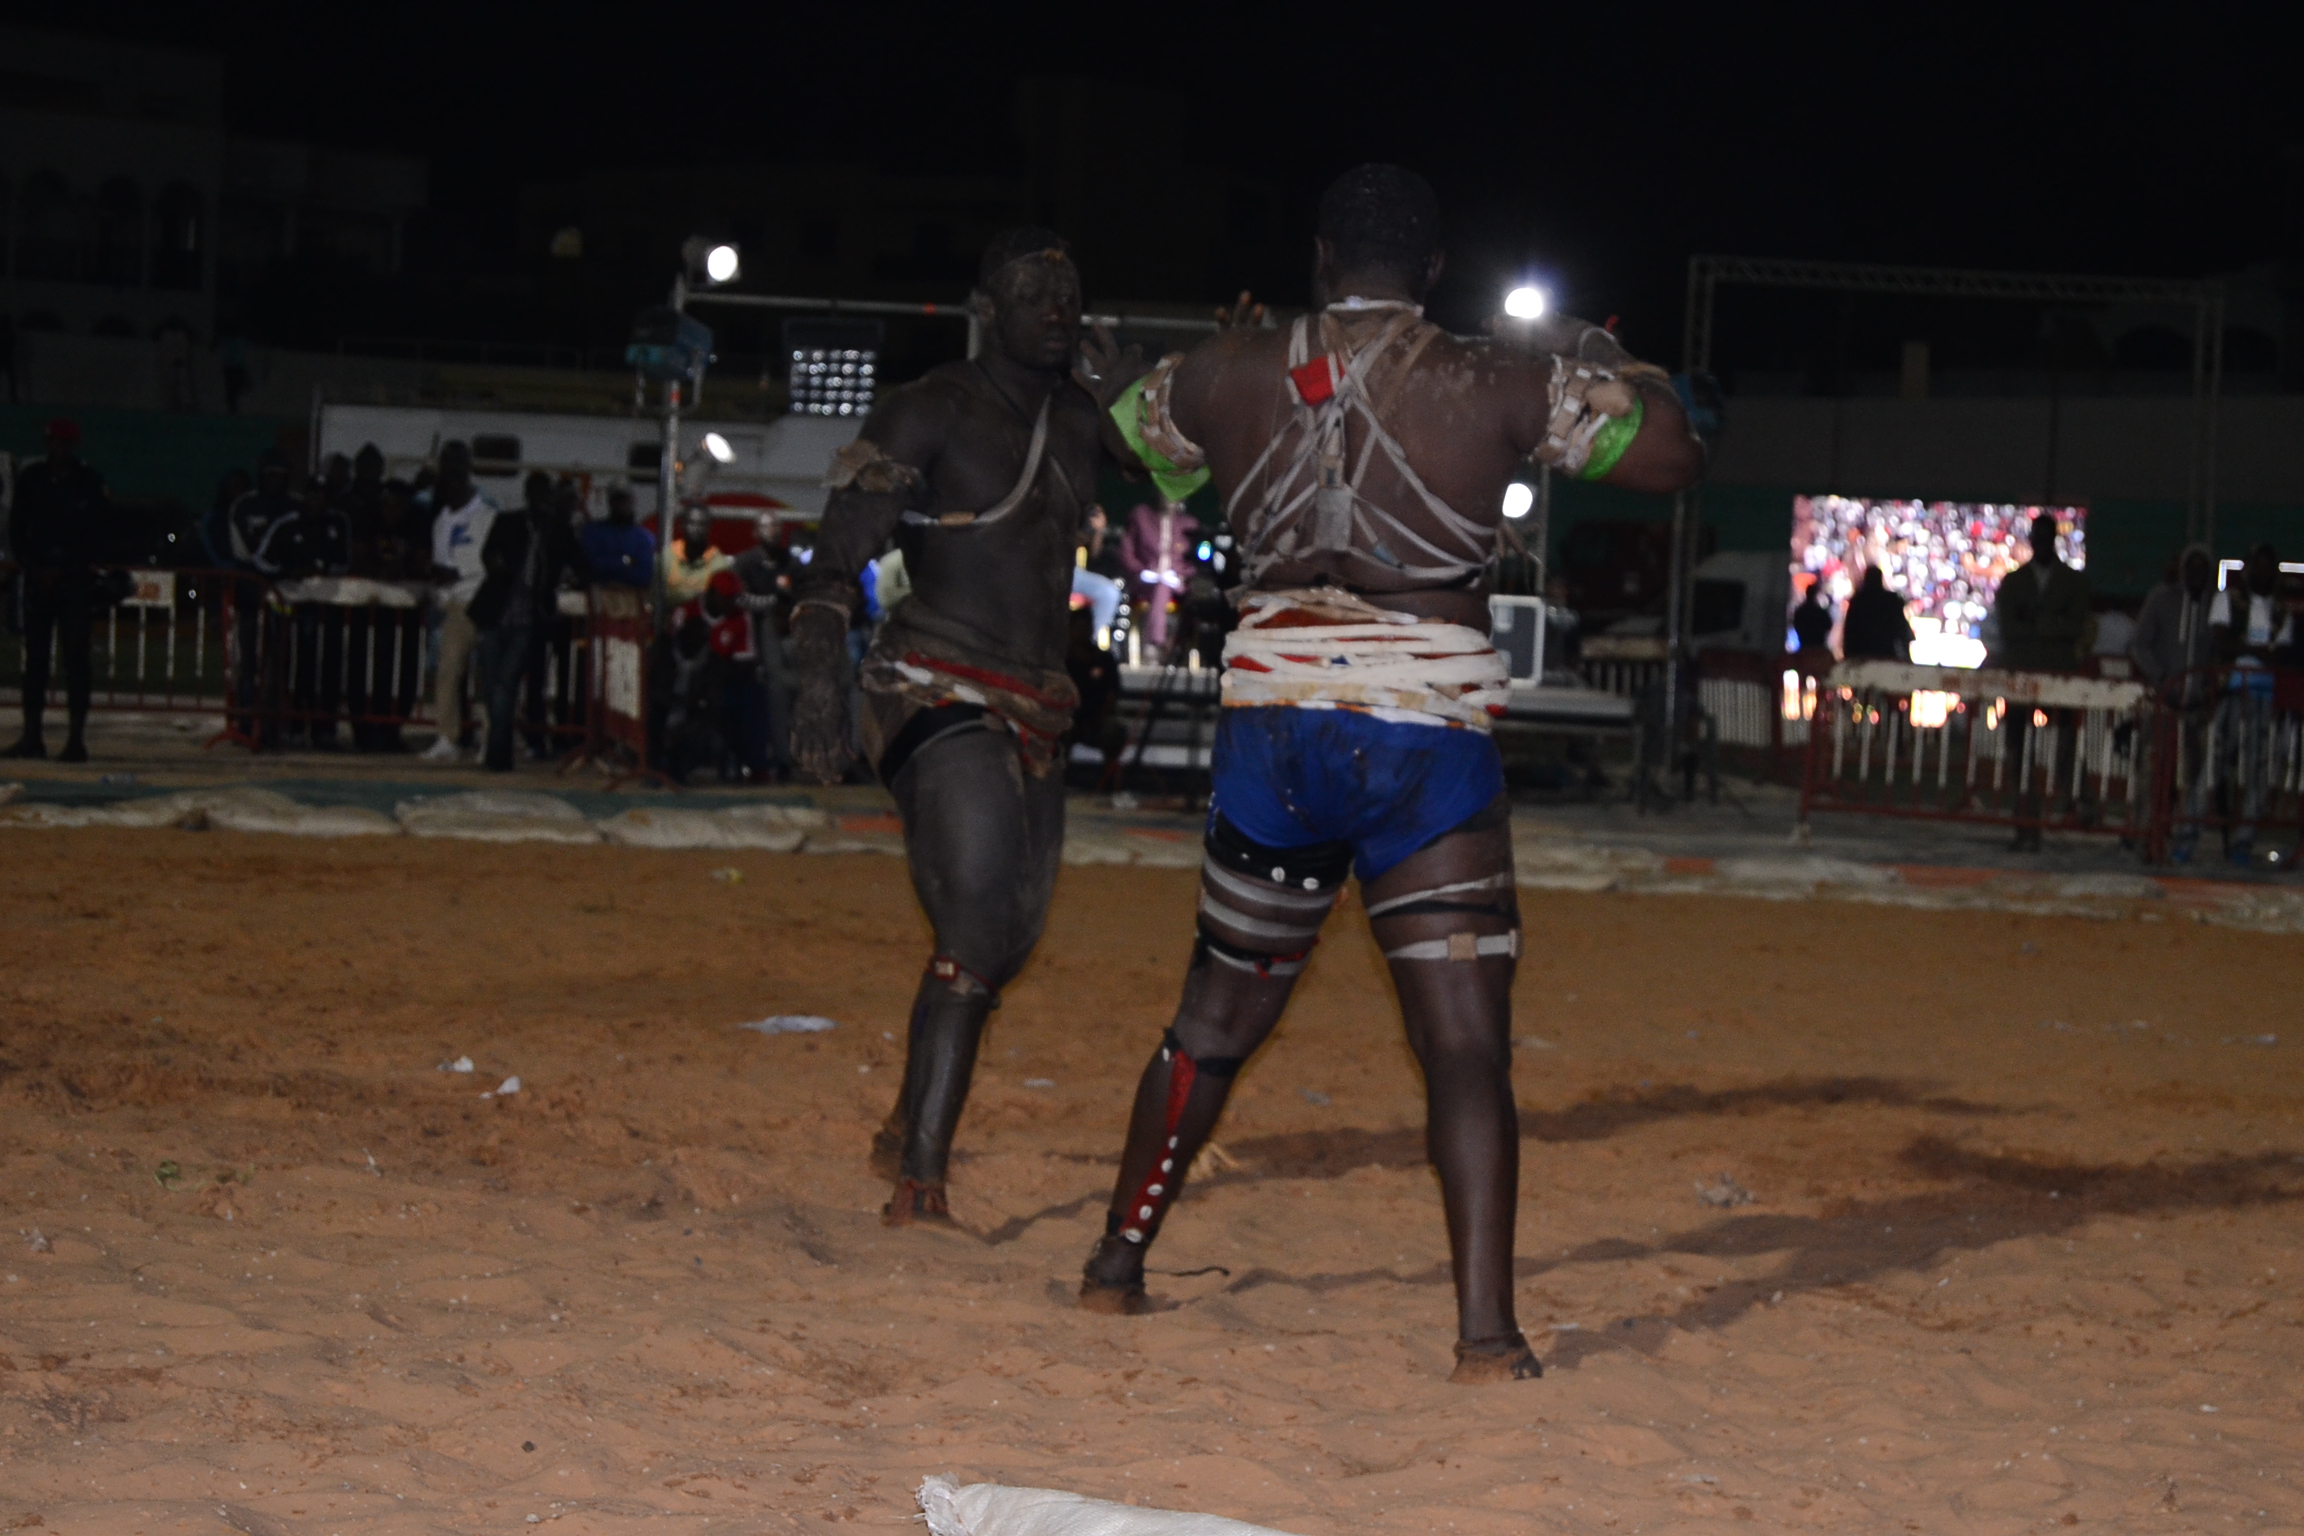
(1525, 303)
(717, 446)
(720, 263)
(1519, 497)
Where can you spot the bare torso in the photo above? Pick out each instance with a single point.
(1009, 580)
(1466, 415)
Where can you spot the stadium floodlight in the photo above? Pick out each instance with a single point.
(717, 446)
(1519, 499)
(711, 263)
(1527, 302)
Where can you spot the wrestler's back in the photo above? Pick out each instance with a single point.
(1010, 580)
(1454, 416)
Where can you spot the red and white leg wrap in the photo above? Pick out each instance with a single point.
(1159, 1187)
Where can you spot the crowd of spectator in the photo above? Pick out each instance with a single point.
(356, 592)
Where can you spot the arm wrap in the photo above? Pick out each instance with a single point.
(1141, 413)
(1586, 398)
(866, 466)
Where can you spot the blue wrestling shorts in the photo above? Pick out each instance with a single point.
(1291, 777)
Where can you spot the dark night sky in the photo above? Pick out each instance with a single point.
(1601, 144)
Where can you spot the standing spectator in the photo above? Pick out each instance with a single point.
(313, 539)
(1100, 592)
(618, 551)
(521, 559)
(1812, 624)
(2172, 641)
(2249, 625)
(2172, 648)
(1154, 549)
(2046, 619)
(461, 520)
(259, 670)
(55, 527)
(764, 578)
(362, 504)
(690, 562)
(1875, 627)
(396, 549)
(2045, 623)
(549, 698)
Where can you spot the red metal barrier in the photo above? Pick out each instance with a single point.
(2031, 751)
(622, 629)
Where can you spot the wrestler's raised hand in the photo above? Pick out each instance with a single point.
(1247, 315)
(1104, 367)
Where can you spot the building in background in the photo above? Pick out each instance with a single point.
(127, 210)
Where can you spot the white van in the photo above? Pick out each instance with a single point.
(777, 466)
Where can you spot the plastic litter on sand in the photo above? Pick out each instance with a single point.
(988, 1509)
(790, 1024)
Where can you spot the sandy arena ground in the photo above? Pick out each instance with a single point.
(2022, 1253)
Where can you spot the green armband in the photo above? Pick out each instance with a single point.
(1175, 484)
(1609, 443)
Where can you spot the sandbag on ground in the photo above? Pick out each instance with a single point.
(497, 816)
(183, 808)
(774, 828)
(264, 810)
(988, 1509)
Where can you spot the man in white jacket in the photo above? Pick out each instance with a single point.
(460, 523)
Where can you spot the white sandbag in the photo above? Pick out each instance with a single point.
(494, 802)
(1167, 852)
(261, 810)
(184, 808)
(988, 1509)
(761, 827)
(496, 816)
(1802, 870)
(2109, 884)
(1086, 848)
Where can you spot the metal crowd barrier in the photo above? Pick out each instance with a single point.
(265, 655)
(2228, 759)
(1759, 707)
(160, 650)
(2029, 750)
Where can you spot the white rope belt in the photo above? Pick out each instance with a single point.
(1394, 667)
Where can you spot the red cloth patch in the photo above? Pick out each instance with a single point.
(1316, 380)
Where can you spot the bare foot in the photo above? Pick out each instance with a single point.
(1484, 1362)
(1112, 1282)
(915, 1204)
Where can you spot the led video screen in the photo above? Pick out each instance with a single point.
(1945, 559)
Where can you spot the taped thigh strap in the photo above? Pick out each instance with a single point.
(1460, 946)
(1209, 946)
(1495, 882)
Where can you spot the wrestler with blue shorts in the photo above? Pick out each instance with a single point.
(1363, 454)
